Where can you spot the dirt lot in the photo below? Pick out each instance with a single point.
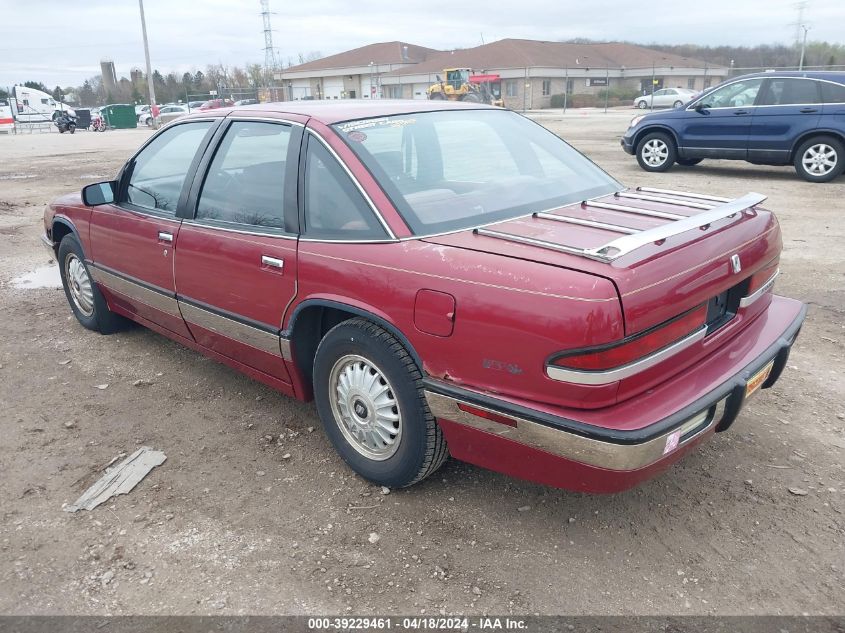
(254, 513)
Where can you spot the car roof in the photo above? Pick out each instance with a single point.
(334, 111)
(837, 76)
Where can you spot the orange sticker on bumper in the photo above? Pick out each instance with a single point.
(757, 380)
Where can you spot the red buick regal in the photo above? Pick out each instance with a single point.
(442, 279)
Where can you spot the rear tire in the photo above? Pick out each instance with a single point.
(656, 152)
(85, 299)
(677, 104)
(371, 401)
(641, 104)
(820, 159)
(437, 96)
(471, 97)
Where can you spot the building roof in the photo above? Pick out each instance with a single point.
(380, 53)
(515, 53)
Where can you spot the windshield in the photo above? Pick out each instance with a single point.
(456, 169)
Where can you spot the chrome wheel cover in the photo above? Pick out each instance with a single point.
(365, 407)
(655, 152)
(819, 159)
(79, 284)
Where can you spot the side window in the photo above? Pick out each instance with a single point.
(160, 169)
(245, 183)
(334, 208)
(787, 91)
(833, 93)
(735, 95)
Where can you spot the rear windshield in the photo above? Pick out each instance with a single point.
(457, 169)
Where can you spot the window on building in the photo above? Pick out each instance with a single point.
(512, 88)
(393, 92)
(707, 83)
(547, 87)
(691, 83)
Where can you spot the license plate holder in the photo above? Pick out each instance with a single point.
(756, 381)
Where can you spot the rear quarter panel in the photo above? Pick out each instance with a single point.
(510, 315)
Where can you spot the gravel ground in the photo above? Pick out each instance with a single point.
(254, 513)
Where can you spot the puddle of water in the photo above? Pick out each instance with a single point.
(44, 277)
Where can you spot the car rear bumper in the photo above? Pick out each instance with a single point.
(535, 444)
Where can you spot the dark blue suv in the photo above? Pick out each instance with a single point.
(772, 118)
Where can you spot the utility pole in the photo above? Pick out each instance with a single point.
(606, 86)
(803, 47)
(150, 85)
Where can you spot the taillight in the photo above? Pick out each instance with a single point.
(759, 279)
(635, 347)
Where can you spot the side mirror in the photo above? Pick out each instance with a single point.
(99, 193)
(699, 107)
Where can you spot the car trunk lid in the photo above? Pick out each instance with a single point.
(665, 252)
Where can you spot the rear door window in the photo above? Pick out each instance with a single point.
(833, 93)
(246, 180)
(790, 91)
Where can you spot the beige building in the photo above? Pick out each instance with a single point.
(531, 71)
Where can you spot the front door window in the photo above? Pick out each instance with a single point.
(159, 171)
(736, 95)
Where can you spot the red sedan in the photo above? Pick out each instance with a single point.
(441, 278)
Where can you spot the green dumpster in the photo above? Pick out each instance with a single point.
(120, 116)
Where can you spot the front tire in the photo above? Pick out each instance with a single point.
(85, 299)
(656, 152)
(820, 159)
(371, 401)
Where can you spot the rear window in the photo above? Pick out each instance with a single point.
(457, 169)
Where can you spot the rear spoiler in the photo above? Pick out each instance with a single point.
(636, 238)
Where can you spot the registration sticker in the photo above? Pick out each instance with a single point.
(672, 442)
(757, 380)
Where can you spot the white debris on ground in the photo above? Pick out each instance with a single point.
(120, 479)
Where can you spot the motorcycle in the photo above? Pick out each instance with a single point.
(98, 124)
(66, 123)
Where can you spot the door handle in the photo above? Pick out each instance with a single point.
(163, 236)
(808, 110)
(739, 112)
(273, 262)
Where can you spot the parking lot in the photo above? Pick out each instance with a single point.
(253, 512)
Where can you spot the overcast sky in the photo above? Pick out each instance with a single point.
(62, 42)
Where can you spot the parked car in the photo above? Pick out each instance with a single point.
(766, 118)
(194, 105)
(213, 104)
(244, 102)
(665, 98)
(442, 278)
(166, 114)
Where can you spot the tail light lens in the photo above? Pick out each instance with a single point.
(759, 279)
(637, 346)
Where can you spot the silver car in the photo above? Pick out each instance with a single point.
(665, 98)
